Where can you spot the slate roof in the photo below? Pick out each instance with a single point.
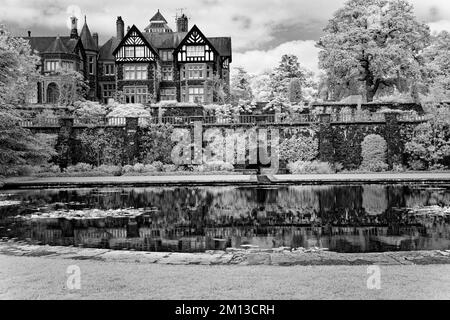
(158, 17)
(51, 45)
(166, 40)
(87, 39)
(222, 45)
(105, 52)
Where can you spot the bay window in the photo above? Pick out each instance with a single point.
(51, 65)
(167, 73)
(193, 71)
(108, 69)
(135, 72)
(167, 94)
(193, 94)
(135, 94)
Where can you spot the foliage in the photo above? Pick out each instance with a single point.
(295, 91)
(430, 142)
(18, 146)
(89, 110)
(102, 146)
(132, 110)
(72, 87)
(308, 167)
(240, 86)
(437, 69)
(377, 42)
(299, 147)
(373, 152)
(155, 144)
(220, 89)
(217, 166)
(278, 104)
(289, 68)
(18, 72)
(260, 86)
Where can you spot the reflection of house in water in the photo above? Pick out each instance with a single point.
(197, 219)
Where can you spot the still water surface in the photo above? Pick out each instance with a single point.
(370, 218)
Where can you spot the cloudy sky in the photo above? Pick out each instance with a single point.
(261, 30)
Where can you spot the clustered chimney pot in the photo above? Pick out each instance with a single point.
(120, 28)
(182, 23)
(74, 31)
(95, 37)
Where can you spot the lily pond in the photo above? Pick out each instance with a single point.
(356, 218)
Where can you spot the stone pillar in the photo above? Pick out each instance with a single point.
(326, 149)
(393, 139)
(65, 141)
(131, 127)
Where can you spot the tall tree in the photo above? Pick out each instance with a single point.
(437, 60)
(289, 68)
(295, 91)
(17, 76)
(377, 42)
(240, 85)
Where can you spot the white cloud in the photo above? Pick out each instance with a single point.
(257, 61)
(438, 26)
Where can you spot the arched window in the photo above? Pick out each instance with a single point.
(52, 93)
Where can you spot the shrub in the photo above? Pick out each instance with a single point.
(429, 143)
(299, 147)
(169, 168)
(338, 167)
(79, 167)
(155, 144)
(127, 169)
(89, 110)
(26, 170)
(373, 152)
(150, 168)
(218, 166)
(138, 167)
(110, 170)
(158, 165)
(129, 110)
(304, 167)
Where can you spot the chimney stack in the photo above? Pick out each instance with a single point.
(95, 37)
(128, 29)
(29, 34)
(74, 31)
(120, 28)
(182, 23)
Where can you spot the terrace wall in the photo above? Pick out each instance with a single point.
(339, 139)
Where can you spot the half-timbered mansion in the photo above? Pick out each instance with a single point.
(156, 64)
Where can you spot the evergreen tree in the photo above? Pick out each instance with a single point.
(240, 85)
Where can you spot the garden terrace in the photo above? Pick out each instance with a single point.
(265, 119)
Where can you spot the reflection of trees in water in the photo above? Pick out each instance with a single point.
(226, 206)
(374, 199)
(343, 218)
(427, 197)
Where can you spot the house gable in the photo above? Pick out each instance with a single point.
(195, 47)
(134, 47)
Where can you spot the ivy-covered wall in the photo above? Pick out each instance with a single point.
(337, 142)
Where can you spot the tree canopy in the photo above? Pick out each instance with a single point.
(377, 42)
(18, 73)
